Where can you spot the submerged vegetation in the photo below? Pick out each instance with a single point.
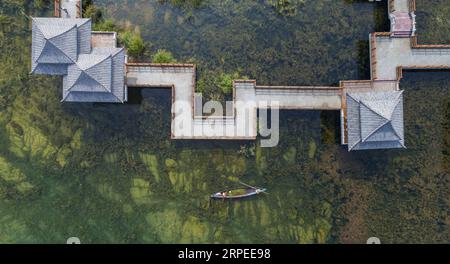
(110, 173)
(286, 7)
(186, 4)
(433, 16)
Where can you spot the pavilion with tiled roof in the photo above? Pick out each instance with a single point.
(375, 120)
(96, 77)
(63, 47)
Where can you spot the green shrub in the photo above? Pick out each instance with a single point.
(136, 46)
(163, 56)
(96, 14)
(105, 25)
(225, 82)
(133, 43)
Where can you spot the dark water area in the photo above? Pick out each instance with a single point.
(110, 173)
(323, 43)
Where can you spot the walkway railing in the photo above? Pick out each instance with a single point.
(293, 90)
(79, 11)
(57, 8)
(412, 5)
(416, 45)
(373, 51)
(373, 56)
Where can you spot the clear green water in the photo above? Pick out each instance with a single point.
(109, 173)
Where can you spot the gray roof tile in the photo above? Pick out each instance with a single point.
(101, 71)
(62, 46)
(375, 120)
(57, 41)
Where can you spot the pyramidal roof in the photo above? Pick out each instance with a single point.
(52, 26)
(63, 46)
(375, 120)
(94, 73)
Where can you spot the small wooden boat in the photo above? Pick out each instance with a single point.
(238, 193)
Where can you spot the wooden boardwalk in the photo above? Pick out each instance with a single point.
(392, 53)
(188, 122)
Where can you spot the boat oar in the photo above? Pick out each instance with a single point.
(247, 185)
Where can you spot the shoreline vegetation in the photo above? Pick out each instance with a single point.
(109, 173)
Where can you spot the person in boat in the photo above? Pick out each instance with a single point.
(224, 194)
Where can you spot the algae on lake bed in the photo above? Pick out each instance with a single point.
(109, 173)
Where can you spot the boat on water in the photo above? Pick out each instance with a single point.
(238, 193)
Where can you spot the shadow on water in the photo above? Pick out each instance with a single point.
(364, 60)
(210, 144)
(134, 96)
(330, 127)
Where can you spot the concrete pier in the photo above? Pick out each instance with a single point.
(247, 98)
(391, 53)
